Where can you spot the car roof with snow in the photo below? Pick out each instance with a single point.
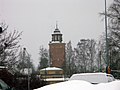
(92, 77)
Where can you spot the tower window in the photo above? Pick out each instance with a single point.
(55, 38)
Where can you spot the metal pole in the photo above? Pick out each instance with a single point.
(107, 62)
(28, 69)
(28, 73)
(28, 77)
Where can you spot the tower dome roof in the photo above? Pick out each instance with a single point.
(57, 36)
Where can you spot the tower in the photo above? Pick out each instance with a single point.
(57, 49)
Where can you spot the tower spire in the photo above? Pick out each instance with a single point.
(56, 25)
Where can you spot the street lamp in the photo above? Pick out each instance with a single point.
(25, 51)
(106, 35)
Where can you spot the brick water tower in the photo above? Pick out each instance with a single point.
(57, 49)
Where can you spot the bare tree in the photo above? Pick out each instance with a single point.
(100, 60)
(24, 61)
(85, 55)
(70, 60)
(9, 44)
(113, 15)
(114, 38)
(92, 53)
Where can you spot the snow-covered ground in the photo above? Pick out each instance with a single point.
(82, 85)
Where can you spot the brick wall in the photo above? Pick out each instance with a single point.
(57, 54)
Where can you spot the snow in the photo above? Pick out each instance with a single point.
(25, 71)
(93, 77)
(82, 85)
(55, 79)
(51, 68)
(2, 67)
(55, 41)
(56, 32)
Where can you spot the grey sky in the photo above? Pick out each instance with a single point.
(37, 18)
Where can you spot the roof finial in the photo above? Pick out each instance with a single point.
(56, 24)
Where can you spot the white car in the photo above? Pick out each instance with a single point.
(93, 78)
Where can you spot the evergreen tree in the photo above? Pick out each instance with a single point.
(44, 58)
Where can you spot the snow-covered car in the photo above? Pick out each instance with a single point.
(93, 78)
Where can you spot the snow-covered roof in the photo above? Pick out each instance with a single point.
(57, 32)
(55, 79)
(2, 67)
(51, 68)
(55, 42)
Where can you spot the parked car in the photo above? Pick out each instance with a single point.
(4, 86)
(93, 78)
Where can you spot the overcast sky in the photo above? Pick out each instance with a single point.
(76, 19)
